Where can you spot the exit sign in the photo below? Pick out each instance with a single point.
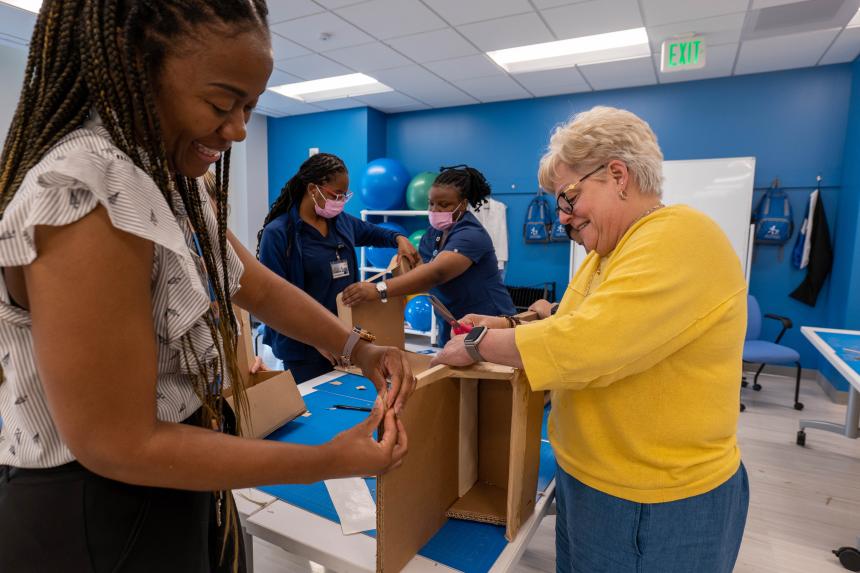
(687, 53)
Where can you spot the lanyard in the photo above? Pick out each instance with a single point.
(201, 267)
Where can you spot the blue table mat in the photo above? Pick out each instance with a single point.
(467, 546)
(846, 346)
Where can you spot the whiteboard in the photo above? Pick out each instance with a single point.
(720, 188)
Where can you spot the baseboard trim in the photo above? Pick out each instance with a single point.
(806, 375)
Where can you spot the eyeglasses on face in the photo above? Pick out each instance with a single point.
(566, 204)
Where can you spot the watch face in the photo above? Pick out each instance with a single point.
(475, 333)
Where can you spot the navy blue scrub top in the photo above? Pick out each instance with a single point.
(299, 253)
(480, 289)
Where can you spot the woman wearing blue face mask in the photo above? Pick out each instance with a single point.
(460, 267)
(308, 240)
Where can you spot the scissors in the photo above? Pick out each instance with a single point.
(456, 327)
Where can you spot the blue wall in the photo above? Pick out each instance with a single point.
(793, 122)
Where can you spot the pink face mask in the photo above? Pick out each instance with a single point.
(442, 220)
(332, 208)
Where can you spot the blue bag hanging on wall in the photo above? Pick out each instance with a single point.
(559, 231)
(538, 225)
(774, 223)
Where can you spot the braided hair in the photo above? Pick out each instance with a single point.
(105, 55)
(318, 169)
(469, 183)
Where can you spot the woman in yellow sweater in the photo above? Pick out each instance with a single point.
(643, 357)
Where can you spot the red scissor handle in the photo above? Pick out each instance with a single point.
(462, 329)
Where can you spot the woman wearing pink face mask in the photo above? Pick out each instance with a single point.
(308, 240)
(461, 269)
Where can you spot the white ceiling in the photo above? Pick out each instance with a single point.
(432, 51)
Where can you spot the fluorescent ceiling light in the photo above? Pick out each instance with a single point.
(855, 21)
(29, 5)
(336, 87)
(594, 49)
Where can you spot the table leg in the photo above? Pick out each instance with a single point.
(249, 550)
(849, 429)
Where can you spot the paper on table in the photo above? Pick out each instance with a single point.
(354, 505)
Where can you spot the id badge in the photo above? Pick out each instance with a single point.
(339, 269)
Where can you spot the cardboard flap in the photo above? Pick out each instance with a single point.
(274, 400)
(382, 319)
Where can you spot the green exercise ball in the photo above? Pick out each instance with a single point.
(415, 238)
(418, 191)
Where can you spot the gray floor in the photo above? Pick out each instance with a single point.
(804, 501)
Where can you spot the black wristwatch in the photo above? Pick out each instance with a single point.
(473, 339)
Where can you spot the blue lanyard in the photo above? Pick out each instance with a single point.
(216, 384)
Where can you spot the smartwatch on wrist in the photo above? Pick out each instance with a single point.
(473, 339)
(357, 334)
(382, 289)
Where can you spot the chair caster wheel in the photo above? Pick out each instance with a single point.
(849, 557)
(743, 407)
(744, 383)
(757, 387)
(801, 438)
(798, 406)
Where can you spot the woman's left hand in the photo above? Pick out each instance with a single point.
(389, 370)
(360, 292)
(454, 353)
(406, 250)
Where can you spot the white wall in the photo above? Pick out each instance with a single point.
(249, 183)
(12, 64)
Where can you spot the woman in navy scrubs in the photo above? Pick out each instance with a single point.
(309, 241)
(461, 269)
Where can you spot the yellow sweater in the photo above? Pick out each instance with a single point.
(644, 361)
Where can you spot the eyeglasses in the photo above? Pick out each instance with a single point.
(337, 196)
(563, 202)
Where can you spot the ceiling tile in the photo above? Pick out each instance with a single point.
(307, 31)
(334, 4)
(284, 105)
(415, 107)
(283, 48)
(494, 88)
(717, 30)
(459, 12)
(659, 12)
(543, 4)
(280, 77)
(422, 85)
(719, 61)
(553, 82)
(342, 103)
(759, 4)
(312, 67)
(844, 49)
(508, 32)
(431, 46)
(368, 57)
(783, 52)
(387, 100)
(621, 74)
(594, 17)
(477, 66)
(280, 10)
(391, 18)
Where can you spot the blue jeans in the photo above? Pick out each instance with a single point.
(599, 533)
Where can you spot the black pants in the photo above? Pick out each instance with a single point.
(68, 519)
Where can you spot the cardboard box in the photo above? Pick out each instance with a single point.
(273, 397)
(474, 452)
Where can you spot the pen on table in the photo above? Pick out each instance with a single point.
(348, 407)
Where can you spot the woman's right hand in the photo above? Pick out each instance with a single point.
(484, 320)
(542, 307)
(357, 453)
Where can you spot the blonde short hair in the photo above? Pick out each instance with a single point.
(599, 135)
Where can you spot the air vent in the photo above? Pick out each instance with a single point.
(798, 17)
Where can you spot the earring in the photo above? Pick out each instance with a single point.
(623, 194)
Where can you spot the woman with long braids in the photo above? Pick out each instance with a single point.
(308, 240)
(461, 267)
(119, 276)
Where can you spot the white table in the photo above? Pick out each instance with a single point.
(852, 415)
(310, 536)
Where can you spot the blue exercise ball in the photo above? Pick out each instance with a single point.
(418, 311)
(383, 185)
(381, 256)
